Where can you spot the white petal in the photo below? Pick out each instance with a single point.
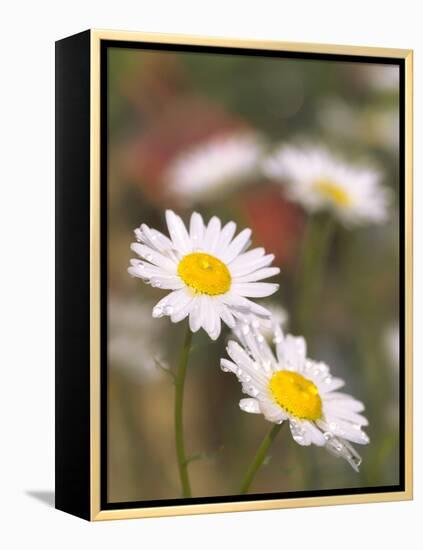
(228, 366)
(155, 239)
(243, 305)
(212, 235)
(135, 271)
(250, 405)
(346, 430)
(247, 258)
(291, 352)
(316, 435)
(341, 448)
(154, 257)
(300, 432)
(196, 230)
(178, 232)
(226, 315)
(214, 335)
(347, 401)
(167, 282)
(183, 307)
(209, 314)
(195, 316)
(272, 412)
(167, 304)
(335, 409)
(247, 370)
(254, 290)
(257, 345)
(328, 384)
(236, 246)
(246, 267)
(226, 236)
(258, 275)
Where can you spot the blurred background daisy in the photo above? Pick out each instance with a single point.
(214, 167)
(318, 180)
(186, 132)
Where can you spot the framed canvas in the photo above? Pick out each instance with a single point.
(233, 275)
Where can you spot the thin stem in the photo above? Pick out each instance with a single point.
(179, 400)
(312, 268)
(259, 458)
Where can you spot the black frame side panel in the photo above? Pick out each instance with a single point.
(73, 275)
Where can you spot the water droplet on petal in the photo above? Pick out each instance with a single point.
(245, 329)
(157, 311)
(248, 405)
(267, 366)
(168, 310)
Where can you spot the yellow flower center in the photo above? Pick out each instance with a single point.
(333, 192)
(296, 395)
(204, 273)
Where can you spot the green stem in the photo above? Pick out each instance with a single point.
(259, 458)
(316, 247)
(179, 400)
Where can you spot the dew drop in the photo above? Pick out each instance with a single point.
(157, 311)
(245, 329)
(248, 406)
(267, 366)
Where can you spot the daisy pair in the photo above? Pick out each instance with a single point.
(210, 272)
(290, 387)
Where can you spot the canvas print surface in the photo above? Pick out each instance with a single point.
(253, 275)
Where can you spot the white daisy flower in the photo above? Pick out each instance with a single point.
(296, 389)
(317, 180)
(210, 167)
(209, 272)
